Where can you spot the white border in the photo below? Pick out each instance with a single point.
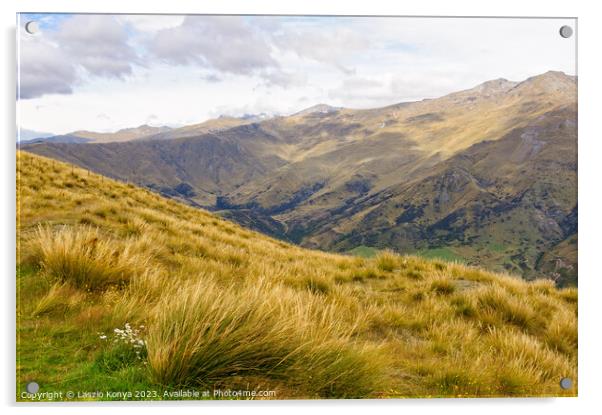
(590, 153)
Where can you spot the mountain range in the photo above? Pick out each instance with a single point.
(487, 176)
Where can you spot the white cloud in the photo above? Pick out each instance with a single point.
(151, 23)
(331, 44)
(43, 69)
(98, 43)
(227, 44)
(55, 61)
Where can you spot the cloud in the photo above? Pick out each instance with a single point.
(43, 69)
(99, 43)
(211, 78)
(225, 43)
(252, 47)
(56, 60)
(362, 92)
(322, 42)
(151, 23)
(280, 78)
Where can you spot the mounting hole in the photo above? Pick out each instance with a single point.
(566, 383)
(566, 31)
(32, 387)
(32, 27)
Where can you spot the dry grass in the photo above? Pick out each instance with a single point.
(225, 305)
(59, 298)
(84, 257)
(212, 334)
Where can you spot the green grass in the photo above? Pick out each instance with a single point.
(445, 253)
(497, 247)
(364, 251)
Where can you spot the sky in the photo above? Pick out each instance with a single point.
(107, 72)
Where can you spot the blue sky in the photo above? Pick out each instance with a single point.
(106, 72)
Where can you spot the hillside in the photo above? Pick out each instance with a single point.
(206, 127)
(458, 173)
(121, 289)
(83, 136)
(500, 204)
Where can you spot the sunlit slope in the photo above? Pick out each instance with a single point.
(501, 204)
(218, 306)
(393, 145)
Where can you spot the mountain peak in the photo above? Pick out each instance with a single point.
(144, 128)
(486, 89)
(318, 108)
(551, 81)
(551, 76)
(262, 116)
(494, 86)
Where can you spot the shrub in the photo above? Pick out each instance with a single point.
(85, 257)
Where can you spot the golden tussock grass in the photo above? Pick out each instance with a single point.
(83, 257)
(211, 334)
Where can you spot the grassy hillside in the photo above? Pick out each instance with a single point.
(120, 289)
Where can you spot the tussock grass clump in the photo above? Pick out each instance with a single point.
(507, 308)
(530, 357)
(569, 295)
(561, 333)
(464, 305)
(83, 256)
(317, 284)
(442, 286)
(59, 298)
(387, 261)
(363, 274)
(211, 334)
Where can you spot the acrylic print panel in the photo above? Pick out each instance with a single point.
(295, 207)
